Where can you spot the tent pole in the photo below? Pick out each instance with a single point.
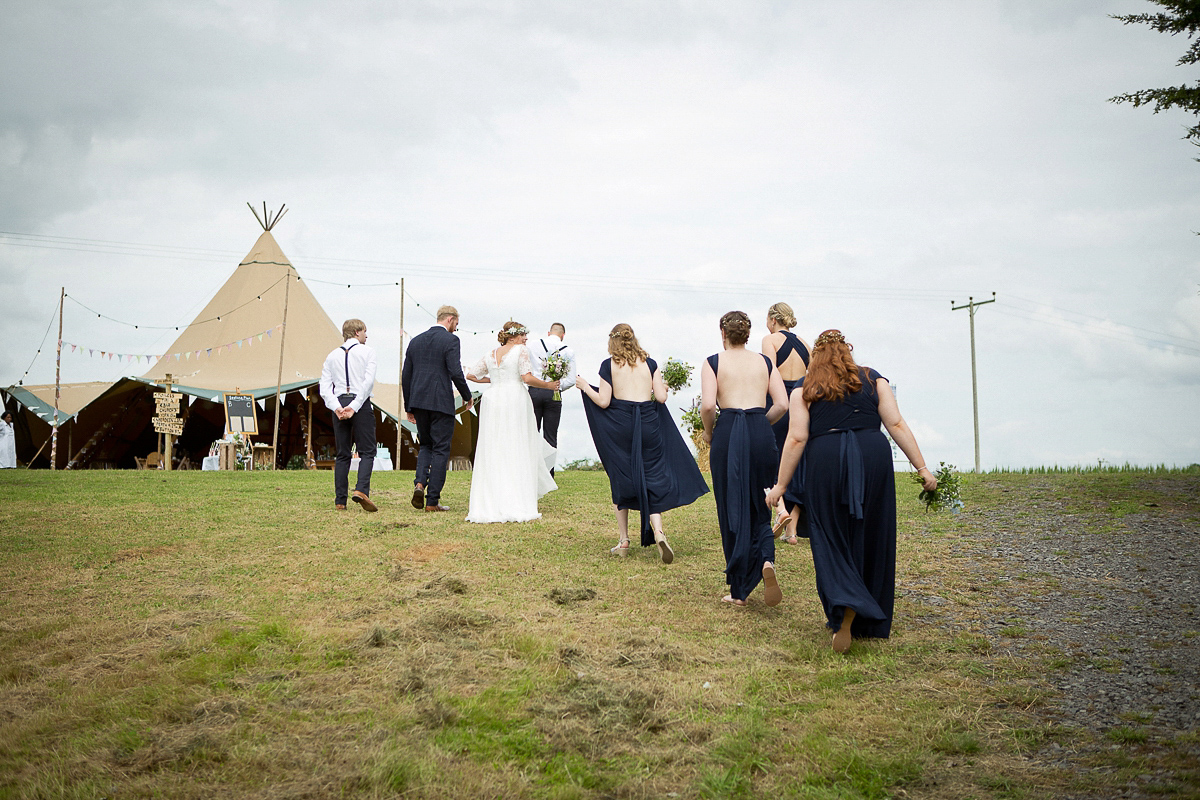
(57, 383)
(40, 449)
(287, 287)
(400, 388)
(308, 456)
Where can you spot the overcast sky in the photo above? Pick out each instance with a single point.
(656, 163)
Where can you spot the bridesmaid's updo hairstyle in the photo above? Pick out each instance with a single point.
(736, 327)
(623, 346)
(832, 371)
(511, 330)
(783, 314)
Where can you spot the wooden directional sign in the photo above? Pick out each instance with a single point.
(167, 400)
(171, 425)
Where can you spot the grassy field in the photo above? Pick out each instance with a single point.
(228, 634)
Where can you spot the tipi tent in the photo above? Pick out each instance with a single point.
(233, 344)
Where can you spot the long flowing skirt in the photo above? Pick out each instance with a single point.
(510, 471)
(649, 467)
(850, 496)
(744, 464)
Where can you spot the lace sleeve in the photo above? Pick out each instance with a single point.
(479, 368)
(523, 365)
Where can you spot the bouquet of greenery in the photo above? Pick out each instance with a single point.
(555, 369)
(946, 495)
(691, 417)
(676, 374)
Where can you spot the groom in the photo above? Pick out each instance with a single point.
(431, 364)
(547, 409)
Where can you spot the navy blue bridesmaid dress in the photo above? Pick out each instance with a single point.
(793, 495)
(649, 466)
(744, 463)
(850, 496)
(791, 342)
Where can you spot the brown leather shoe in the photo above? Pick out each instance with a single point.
(339, 506)
(363, 501)
(418, 498)
(437, 508)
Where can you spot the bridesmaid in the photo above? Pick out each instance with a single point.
(743, 456)
(850, 493)
(790, 354)
(649, 467)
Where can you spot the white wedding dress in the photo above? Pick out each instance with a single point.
(512, 460)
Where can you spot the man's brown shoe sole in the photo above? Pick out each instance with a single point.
(364, 501)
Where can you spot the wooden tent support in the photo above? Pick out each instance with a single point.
(40, 449)
(308, 454)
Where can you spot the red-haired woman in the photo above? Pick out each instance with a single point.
(743, 456)
(850, 486)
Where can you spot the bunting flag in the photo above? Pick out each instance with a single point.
(207, 352)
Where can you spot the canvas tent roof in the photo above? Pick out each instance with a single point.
(72, 397)
(233, 343)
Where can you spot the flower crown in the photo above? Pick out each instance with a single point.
(521, 331)
(830, 336)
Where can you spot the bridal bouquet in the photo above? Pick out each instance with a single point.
(946, 495)
(676, 374)
(555, 369)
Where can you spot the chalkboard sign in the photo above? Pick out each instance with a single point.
(239, 414)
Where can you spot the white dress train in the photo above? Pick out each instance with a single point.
(511, 469)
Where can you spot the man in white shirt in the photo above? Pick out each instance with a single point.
(547, 409)
(347, 380)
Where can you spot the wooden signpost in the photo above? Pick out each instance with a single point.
(166, 419)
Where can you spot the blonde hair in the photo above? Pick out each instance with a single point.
(623, 346)
(783, 314)
(511, 330)
(351, 327)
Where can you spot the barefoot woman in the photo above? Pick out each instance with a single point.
(850, 490)
(743, 456)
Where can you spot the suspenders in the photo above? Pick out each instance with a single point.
(347, 350)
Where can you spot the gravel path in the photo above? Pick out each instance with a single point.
(1110, 605)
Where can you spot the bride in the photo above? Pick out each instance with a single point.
(511, 458)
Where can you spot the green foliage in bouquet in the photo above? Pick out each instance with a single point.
(676, 374)
(946, 495)
(691, 417)
(555, 369)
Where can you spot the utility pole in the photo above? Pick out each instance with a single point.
(971, 306)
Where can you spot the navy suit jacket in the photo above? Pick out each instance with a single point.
(431, 364)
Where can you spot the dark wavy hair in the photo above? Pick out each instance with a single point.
(736, 327)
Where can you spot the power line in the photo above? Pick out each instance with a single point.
(216, 318)
(43, 342)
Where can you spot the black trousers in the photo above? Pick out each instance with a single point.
(358, 430)
(548, 412)
(435, 430)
